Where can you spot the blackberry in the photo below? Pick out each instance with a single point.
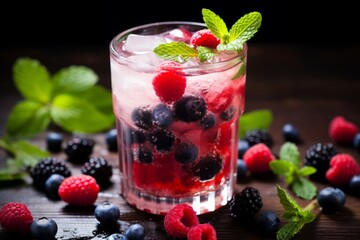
(318, 156)
(79, 149)
(259, 136)
(142, 117)
(208, 166)
(143, 154)
(190, 108)
(45, 168)
(162, 139)
(246, 204)
(100, 169)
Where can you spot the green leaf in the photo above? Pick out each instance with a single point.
(73, 79)
(281, 167)
(32, 80)
(205, 53)
(11, 172)
(289, 152)
(28, 118)
(307, 170)
(241, 72)
(289, 204)
(235, 45)
(245, 27)
(257, 119)
(289, 230)
(99, 97)
(215, 24)
(304, 189)
(175, 51)
(77, 115)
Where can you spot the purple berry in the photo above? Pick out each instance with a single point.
(290, 133)
(43, 228)
(135, 232)
(190, 108)
(162, 139)
(54, 142)
(162, 115)
(52, 185)
(241, 170)
(142, 117)
(331, 199)
(267, 222)
(107, 213)
(208, 121)
(186, 152)
(111, 140)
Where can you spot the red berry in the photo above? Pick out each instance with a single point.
(343, 167)
(169, 86)
(219, 101)
(342, 131)
(79, 190)
(204, 38)
(203, 231)
(16, 217)
(257, 158)
(179, 220)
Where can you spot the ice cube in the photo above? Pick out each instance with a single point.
(138, 44)
(145, 62)
(178, 35)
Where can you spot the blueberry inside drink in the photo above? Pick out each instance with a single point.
(178, 93)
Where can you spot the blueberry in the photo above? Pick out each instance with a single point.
(208, 166)
(162, 115)
(190, 108)
(44, 228)
(331, 199)
(356, 142)
(117, 236)
(142, 117)
(54, 142)
(143, 154)
(162, 139)
(228, 113)
(107, 213)
(242, 147)
(354, 185)
(290, 133)
(208, 121)
(111, 140)
(267, 222)
(241, 170)
(135, 232)
(52, 185)
(186, 152)
(131, 136)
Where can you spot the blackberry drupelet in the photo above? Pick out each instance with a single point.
(45, 168)
(318, 156)
(79, 149)
(259, 136)
(246, 204)
(100, 169)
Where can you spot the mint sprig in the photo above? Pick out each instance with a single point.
(295, 175)
(294, 214)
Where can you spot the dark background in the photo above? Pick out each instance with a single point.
(79, 23)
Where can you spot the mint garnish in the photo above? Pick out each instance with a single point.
(256, 119)
(294, 214)
(289, 166)
(233, 40)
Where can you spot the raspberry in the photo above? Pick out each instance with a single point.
(79, 149)
(259, 136)
(79, 190)
(100, 169)
(246, 204)
(169, 86)
(16, 217)
(179, 220)
(343, 167)
(257, 158)
(204, 38)
(342, 131)
(203, 231)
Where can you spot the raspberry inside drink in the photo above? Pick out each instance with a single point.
(177, 122)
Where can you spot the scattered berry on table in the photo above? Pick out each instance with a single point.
(190, 108)
(186, 152)
(204, 38)
(241, 170)
(81, 190)
(117, 236)
(342, 131)
(354, 185)
(52, 185)
(342, 168)
(142, 117)
(135, 231)
(208, 121)
(107, 213)
(100, 169)
(256, 136)
(257, 158)
(331, 199)
(78, 149)
(111, 140)
(169, 86)
(204, 231)
(318, 156)
(356, 142)
(246, 204)
(162, 115)
(291, 133)
(16, 217)
(44, 228)
(243, 146)
(45, 168)
(162, 139)
(267, 222)
(54, 142)
(179, 220)
(208, 166)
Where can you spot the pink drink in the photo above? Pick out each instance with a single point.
(175, 149)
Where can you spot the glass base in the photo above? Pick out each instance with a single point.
(204, 203)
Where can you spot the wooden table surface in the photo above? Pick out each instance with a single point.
(303, 85)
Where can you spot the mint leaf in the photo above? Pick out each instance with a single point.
(289, 204)
(73, 79)
(77, 115)
(241, 72)
(289, 230)
(307, 170)
(12, 172)
(32, 79)
(257, 119)
(205, 53)
(235, 45)
(245, 27)
(281, 167)
(99, 97)
(215, 24)
(175, 51)
(304, 189)
(28, 118)
(289, 151)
